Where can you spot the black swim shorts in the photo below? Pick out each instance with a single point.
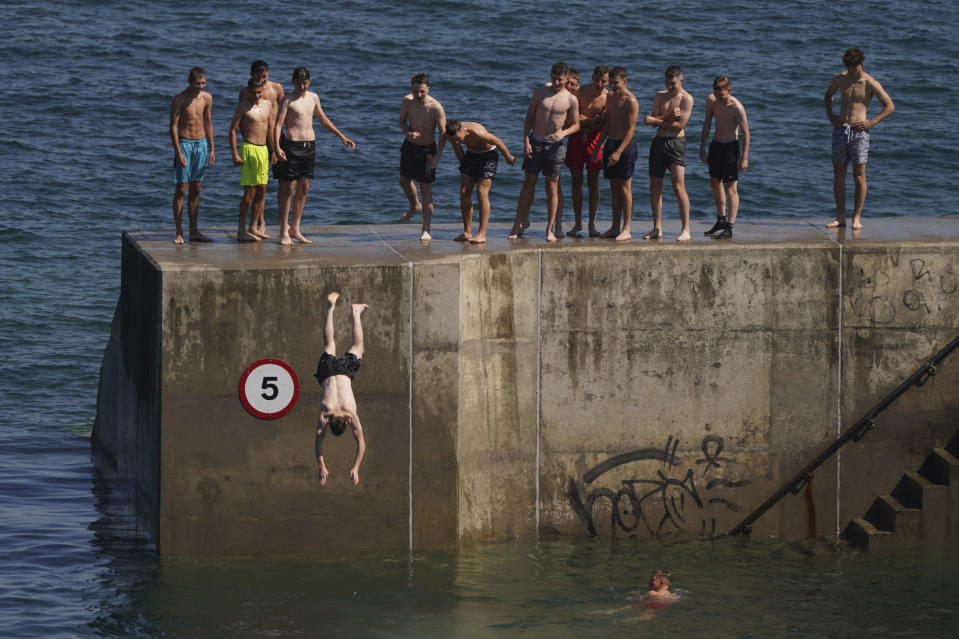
(329, 366)
(300, 160)
(415, 164)
(547, 158)
(664, 152)
(624, 167)
(480, 165)
(723, 161)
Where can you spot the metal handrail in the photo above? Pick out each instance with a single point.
(857, 432)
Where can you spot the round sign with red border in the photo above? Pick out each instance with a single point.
(269, 388)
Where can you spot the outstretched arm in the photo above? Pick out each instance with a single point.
(360, 449)
(318, 450)
(328, 125)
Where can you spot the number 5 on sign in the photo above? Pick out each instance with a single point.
(269, 388)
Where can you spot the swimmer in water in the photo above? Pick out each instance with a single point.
(658, 597)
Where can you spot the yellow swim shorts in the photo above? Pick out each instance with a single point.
(255, 169)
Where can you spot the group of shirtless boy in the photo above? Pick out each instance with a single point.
(599, 120)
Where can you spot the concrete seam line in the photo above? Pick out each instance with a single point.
(839, 394)
(409, 392)
(539, 382)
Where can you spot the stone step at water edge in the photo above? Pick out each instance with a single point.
(941, 467)
(886, 513)
(862, 534)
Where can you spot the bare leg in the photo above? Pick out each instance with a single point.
(625, 188)
(526, 194)
(241, 234)
(357, 348)
(732, 196)
(677, 175)
(466, 207)
(719, 196)
(839, 193)
(552, 203)
(194, 211)
(482, 194)
(256, 215)
(283, 195)
(558, 222)
(592, 183)
(859, 177)
(179, 190)
(576, 177)
(299, 201)
(329, 342)
(409, 189)
(427, 191)
(656, 205)
(616, 203)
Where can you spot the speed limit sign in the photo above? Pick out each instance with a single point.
(269, 388)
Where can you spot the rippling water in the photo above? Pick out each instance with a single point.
(87, 154)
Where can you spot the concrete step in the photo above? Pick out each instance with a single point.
(888, 514)
(953, 445)
(862, 534)
(941, 467)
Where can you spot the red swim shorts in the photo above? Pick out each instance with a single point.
(579, 151)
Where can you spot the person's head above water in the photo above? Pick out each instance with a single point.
(660, 580)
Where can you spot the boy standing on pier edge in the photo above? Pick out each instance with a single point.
(850, 135)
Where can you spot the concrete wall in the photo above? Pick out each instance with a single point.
(584, 388)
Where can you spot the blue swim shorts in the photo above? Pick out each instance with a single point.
(850, 145)
(197, 156)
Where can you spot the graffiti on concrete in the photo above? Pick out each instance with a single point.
(664, 495)
(875, 296)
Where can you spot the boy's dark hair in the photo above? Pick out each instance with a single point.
(720, 83)
(665, 576)
(452, 126)
(673, 72)
(573, 73)
(258, 66)
(853, 57)
(420, 78)
(197, 72)
(560, 68)
(600, 70)
(617, 72)
(301, 74)
(337, 424)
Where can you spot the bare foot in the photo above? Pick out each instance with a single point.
(624, 236)
(684, 236)
(408, 215)
(426, 237)
(260, 231)
(299, 237)
(575, 231)
(332, 297)
(178, 239)
(836, 223)
(478, 239)
(256, 234)
(358, 308)
(243, 236)
(612, 232)
(550, 237)
(463, 237)
(518, 230)
(655, 234)
(856, 224)
(198, 237)
(593, 232)
(285, 240)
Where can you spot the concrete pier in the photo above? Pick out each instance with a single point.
(585, 387)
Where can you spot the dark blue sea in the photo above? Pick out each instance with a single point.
(86, 154)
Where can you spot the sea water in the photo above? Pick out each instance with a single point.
(86, 154)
